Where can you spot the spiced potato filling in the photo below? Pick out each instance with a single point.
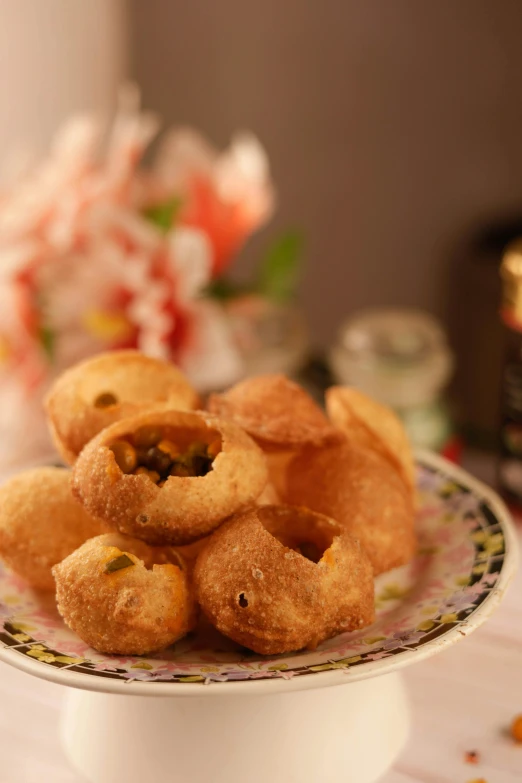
(149, 556)
(159, 453)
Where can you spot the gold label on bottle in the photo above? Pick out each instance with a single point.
(511, 274)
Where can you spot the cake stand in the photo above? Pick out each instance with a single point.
(207, 711)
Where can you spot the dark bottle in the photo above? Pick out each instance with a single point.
(510, 462)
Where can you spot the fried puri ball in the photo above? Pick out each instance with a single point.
(169, 477)
(369, 423)
(278, 578)
(274, 411)
(364, 493)
(107, 388)
(41, 523)
(279, 415)
(123, 597)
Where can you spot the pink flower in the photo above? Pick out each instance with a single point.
(227, 195)
(82, 269)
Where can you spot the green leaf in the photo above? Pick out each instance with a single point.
(48, 341)
(164, 215)
(223, 289)
(280, 269)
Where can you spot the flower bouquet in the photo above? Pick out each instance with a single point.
(98, 252)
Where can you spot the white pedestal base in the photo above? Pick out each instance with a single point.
(346, 734)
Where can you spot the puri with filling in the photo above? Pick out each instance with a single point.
(169, 477)
(119, 599)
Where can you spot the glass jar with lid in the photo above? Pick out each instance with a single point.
(401, 358)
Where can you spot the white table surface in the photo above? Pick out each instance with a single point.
(463, 699)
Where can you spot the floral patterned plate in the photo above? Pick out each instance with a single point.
(466, 558)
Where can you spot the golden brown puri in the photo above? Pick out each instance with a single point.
(255, 583)
(360, 489)
(41, 523)
(275, 412)
(107, 388)
(112, 593)
(178, 509)
(369, 423)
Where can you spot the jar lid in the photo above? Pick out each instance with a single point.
(399, 356)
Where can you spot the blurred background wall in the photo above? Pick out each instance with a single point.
(394, 127)
(57, 57)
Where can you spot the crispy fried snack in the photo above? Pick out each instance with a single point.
(274, 411)
(277, 578)
(369, 423)
(279, 415)
(107, 388)
(360, 489)
(41, 523)
(169, 477)
(113, 593)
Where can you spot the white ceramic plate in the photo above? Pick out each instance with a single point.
(467, 556)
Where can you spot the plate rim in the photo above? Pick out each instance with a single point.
(320, 679)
